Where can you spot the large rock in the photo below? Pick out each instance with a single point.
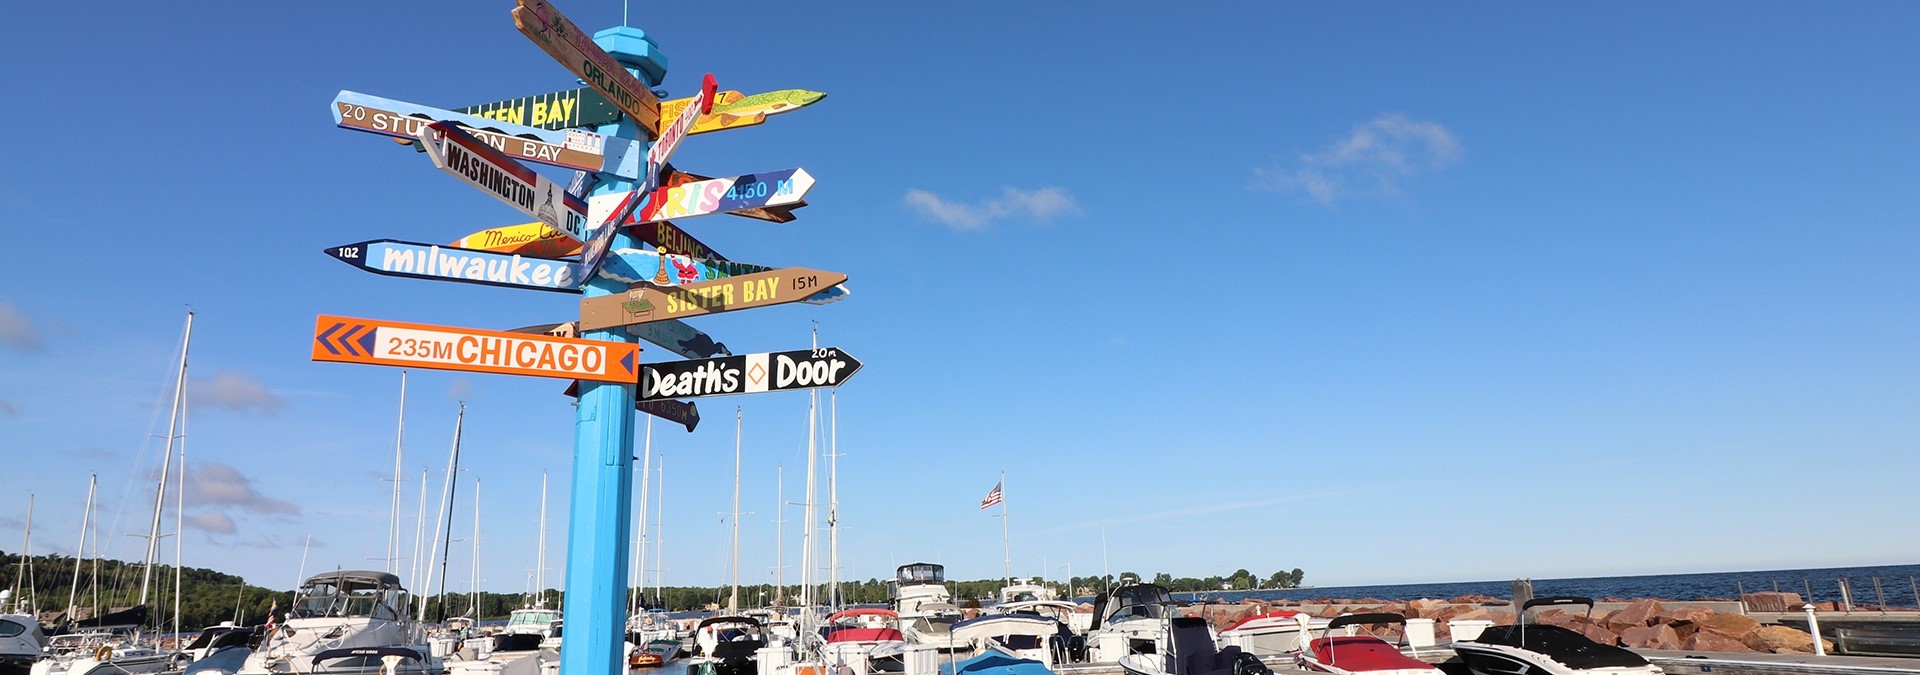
(1772, 601)
(1709, 641)
(1478, 600)
(1638, 613)
(1657, 636)
(1684, 620)
(1735, 626)
(1781, 640)
(1423, 608)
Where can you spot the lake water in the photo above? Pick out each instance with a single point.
(1896, 583)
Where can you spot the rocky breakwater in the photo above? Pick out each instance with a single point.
(1642, 623)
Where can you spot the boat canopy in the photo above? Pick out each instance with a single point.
(1365, 619)
(1132, 601)
(727, 619)
(354, 580)
(1556, 600)
(863, 611)
(921, 573)
(350, 593)
(1000, 625)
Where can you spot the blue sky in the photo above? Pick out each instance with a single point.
(1360, 290)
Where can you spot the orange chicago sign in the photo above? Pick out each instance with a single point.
(392, 343)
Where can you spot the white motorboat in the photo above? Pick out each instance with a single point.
(1130, 619)
(1359, 654)
(21, 638)
(1191, 651)
(345, 623)
(864, 640)
(1274, 633)
(726, 645)
(529, 629)
(1027, 636)
(107, 651)
(1540, 649)
(920, 598)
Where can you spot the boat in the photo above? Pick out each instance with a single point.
(1130, 619)
(1540, 649)
(1191, 651)
(1359, 654)
(21, 637)
(865, 640)
(1279, 632)
(528, 629)
(346, 622)
(996, 662)
(920, 597)
(1027, 636)
(726, 645)
(116, 650)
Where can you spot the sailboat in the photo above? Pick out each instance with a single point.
(20, 636)
(120, 649)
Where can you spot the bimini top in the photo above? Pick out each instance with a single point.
(921, 573)
(353, 580)
(727, 619)
(1131, 601)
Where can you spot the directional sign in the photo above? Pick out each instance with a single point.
(642, 304)
(608, 222)
(481, 166)
(672, 335)
(524, 239)
(684, 413)
(573, 148)
(726, 195)
(447, 263)
(581, 107)
(634, 266)
(733, 111)
(559, 38)
(746, 374)
(392, 343)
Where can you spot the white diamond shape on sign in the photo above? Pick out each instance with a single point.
(757, 373)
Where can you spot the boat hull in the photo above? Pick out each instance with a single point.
(1483, 659)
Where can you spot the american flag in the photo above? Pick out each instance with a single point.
(270, 626)
(993, 497)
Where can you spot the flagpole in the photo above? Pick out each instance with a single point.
(1006, 544)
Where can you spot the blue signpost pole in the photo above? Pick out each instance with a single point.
(599, 521)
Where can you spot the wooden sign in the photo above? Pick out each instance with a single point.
(643, 304)
(608, 222)
(733, 111)
(727, 195)
(392, 343)
(746, 374)
(634, 266)
(566, 43)
(494, 173)
(534, 239)
(448, 263)
(669, 238)
(671, 335)
(573, 149)
(582, 107)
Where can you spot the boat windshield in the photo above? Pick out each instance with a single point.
(532, 618)
(1136, 602)
(350, 594)
(922, 573)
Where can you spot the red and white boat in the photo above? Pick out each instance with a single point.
(1359, 654)
(1279, 632)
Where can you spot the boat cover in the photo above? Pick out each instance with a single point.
(854, 634)
(1562, 645)
(1360, 653)
(1265, 618)
(996, 662)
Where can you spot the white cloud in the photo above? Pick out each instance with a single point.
(1041, 204)
(18, 331)
(1369, 162)
(219, 485)
(211, 521)
(236, 391)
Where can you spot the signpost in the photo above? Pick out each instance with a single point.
(496, 174)
(746, 374)
(448, 263)
(559, 38)
(635, 266)
(524, 239)
(672, 335)
(572, 148)
(608, 222)
(641, 304)
(726, 195)
(413, 345)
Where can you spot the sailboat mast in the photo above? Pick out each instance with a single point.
(399, 449)
(638, 594)
(780, 536)
(473, 585)
(1006, 542)
(419, 537)
(833, 497)
(26, 555)
(540, 560)
(179, 522)
(660, 535)
(806, 528)
(733, 600)
(446, 498)
(166, 462)
(79, 552)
